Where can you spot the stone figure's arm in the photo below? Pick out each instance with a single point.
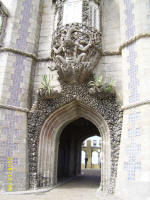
(84, 48)
(57, 51)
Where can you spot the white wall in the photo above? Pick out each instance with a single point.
(95, 158)
(83, 157)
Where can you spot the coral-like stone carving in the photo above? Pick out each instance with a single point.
(3, 21)
(76, 50)
(85, 12)
(59, 9)
(107, 106)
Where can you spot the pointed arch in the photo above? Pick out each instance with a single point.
(48, 117)
(49, 140)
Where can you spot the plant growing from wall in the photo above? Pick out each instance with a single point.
(110, 87)
(99, 86)
(46, 89)
(97, 82)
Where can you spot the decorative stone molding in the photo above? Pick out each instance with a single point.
(125, 44)
(59, 9)
(33, 56)
(3, 21)
(17, 51)
(130, 106)
(105, 53)
(14, 108)
(76, 50)
(134, 39)
(85, 12)
(111, 53)
(42, 109)
(22, 53)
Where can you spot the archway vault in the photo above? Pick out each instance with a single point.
(48, 118)
(49, 140)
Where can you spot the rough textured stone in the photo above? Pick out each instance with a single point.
(107, 106)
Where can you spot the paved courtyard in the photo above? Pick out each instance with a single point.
(83, 187)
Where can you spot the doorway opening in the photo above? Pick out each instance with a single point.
(60, 143)
(91, 153)
(70, 151)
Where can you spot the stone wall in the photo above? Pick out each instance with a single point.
(133, 172)
(47, 22)
(25, 57)
(20, 41)
(110, 62)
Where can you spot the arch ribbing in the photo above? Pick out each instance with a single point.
(49, 140)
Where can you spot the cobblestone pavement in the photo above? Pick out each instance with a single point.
(83, 187)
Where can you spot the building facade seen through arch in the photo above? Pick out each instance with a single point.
(91, 151)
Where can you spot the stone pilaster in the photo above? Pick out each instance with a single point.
(133, 179)
(89, 154)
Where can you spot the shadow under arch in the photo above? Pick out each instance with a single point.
(49, 140)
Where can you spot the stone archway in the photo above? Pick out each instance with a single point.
(47, 119)
(49, 140)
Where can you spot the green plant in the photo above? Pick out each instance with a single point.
(98, 82)
(112, 83)
(46, 84)
(110, 87)
(99, 85)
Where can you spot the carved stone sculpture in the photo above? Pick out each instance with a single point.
(76, 49)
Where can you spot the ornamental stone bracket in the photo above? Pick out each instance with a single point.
(76, 50)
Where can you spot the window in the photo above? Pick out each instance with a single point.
(94, 15)
(94, 143)
(72, 12)
(3, 21)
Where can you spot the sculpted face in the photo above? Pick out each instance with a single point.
(68, 46)
(68, 43)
